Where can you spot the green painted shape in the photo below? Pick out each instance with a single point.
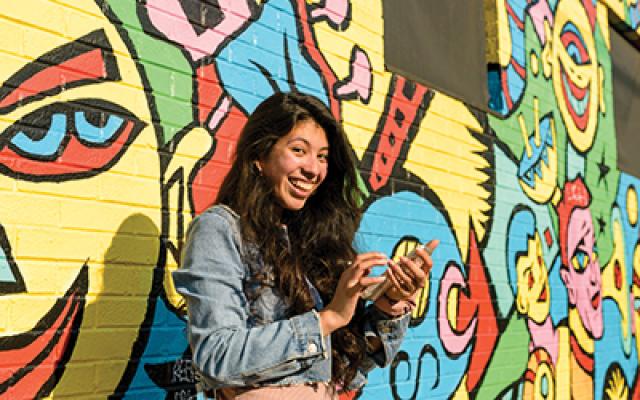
(603, 191)
(169, 74)
(537, 86)
(509, 360)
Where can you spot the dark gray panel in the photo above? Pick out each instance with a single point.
(625, 69)
(440, 44)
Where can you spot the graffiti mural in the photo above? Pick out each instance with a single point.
(119, 122)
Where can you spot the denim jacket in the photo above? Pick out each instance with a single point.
(240, 333)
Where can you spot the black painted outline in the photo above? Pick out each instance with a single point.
(94, 40)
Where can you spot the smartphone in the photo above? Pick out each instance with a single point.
(374, 291)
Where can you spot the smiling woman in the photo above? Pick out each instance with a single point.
(272, 282)
(297, 164)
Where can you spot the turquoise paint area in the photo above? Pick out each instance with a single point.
(6, 275)
(268, 53)
(385, 223)
(510, 197)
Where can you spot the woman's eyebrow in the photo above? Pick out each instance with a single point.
(84, 61)
(296, 138)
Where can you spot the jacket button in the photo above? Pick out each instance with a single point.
(312, 348)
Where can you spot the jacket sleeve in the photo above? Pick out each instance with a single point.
(226, 349)
(390, 332)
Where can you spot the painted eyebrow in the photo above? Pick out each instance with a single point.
(306, 142)
(84, 61)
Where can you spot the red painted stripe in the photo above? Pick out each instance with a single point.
(87, 66)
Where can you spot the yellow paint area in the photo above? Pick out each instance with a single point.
(189, 150)
(563, 365)
(366, 30)
(579, 331)
(585, 74)
(504, 34)
(461, 392)
(445, 155)
(616, 386)
(635, 291)
(533, 298)
(616, 269)
(543, 386)
(110, 220)
(632, 205)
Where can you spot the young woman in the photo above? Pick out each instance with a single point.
(271, 279)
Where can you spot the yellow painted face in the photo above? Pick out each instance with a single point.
(79, 183)
(575, 72)
(533, 297)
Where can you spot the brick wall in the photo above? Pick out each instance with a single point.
(119, 120)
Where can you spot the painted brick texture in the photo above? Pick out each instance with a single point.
(119, 120)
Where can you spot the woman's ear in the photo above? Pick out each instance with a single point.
(258, 166)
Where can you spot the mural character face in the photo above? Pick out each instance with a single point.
(575, 71)
(83, 229)
(582, 275)
(533, 283)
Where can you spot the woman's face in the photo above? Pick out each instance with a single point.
(297, 164)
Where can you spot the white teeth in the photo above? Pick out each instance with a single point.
(306, 186)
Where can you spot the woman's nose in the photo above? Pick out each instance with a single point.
(311, 166)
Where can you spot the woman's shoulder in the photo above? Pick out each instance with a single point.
(222, 210)
(218, 215)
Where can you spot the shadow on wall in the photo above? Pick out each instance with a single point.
(132, 299)
(123, 308)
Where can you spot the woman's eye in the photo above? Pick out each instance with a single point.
(324, 157)
(67, 140)
(297, 150)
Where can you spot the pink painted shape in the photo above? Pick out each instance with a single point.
(169, 18)
(544, 336)
(335, 10)
(361, 79)
(454, 342)
(219, 113)
(539, 12)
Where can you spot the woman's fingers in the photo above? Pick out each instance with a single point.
(362, 266)
(371, 280)
(397, 284)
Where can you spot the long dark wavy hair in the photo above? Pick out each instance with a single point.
(321, 233)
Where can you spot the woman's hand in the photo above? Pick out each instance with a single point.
(407, 279)
(352, 282)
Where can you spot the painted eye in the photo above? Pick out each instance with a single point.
(575, 46)
(580, 260)
(64, 141)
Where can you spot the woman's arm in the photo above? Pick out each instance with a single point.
(225, 348)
